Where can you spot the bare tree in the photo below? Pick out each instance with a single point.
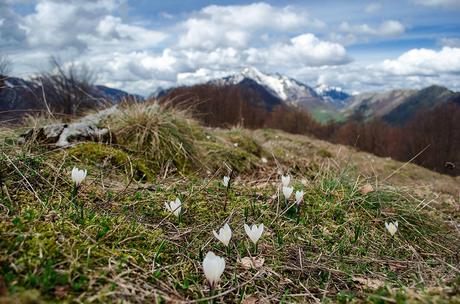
(5, 66)
(67, 89)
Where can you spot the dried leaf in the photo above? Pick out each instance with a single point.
(367, 188)
(61, 292)
(369, 283)
(252, 263)
(254, 300)
(250, 300)
(3, 287)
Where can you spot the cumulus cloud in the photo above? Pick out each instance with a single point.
(81, 24)
(11, 33)
(425, 62)
(386, 28)
(213, 42)
(302, 50)
(236, 25)
(200, 75)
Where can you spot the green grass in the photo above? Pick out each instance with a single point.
(327, 115)
(129, 249)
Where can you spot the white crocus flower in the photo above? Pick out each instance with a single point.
(298, 197)
(285, 180)
(225, 234)
(264, 160)
(392, 227)
(287, 191)
(213, 267)
(225, 181)
(174, 207)
(254, 232)
(78, 175)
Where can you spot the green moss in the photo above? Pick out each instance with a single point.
(217, 154)
(97, 154)
(324, 153)
(128, 241)
(244, 141)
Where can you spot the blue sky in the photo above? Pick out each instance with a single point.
(142, 45)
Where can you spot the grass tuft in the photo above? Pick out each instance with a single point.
(163, 135)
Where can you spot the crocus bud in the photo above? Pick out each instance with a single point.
(298, 197)
(213, 267)
(225, 234)
(78, 175)
(392, 227)
(254, 232)
(287, 191)
(285, 180)
(174, 207)
(225, 181)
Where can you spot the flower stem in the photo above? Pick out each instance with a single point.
(226, 197)
(73, 195)
(298, 213)
(228, 189)
(81, 213)
(211, 292)
(78, 207)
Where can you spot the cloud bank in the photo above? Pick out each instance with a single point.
(213, 41)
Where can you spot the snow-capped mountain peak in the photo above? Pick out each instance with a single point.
(283, 87)
(323, 88)
(335, 95)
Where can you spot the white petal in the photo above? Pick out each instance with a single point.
(213, 267)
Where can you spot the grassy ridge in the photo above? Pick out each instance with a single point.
(128, 248)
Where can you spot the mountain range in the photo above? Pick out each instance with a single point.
(333, 103)
(19, 96)
(324, 102)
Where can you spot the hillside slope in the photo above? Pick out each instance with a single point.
(112, 240)
(427, 98)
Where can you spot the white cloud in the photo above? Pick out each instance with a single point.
(439, 3)
(220, 58)
(451, 41)
(302, 50)
(373, 7)
(136, 66)
(386, 28)
(237, 25)
(83, 24)
(201, 75)
(213, 42)
(425, 62)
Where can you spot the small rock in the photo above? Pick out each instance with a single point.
(63, 135)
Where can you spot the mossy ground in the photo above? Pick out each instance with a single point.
(129, 249)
